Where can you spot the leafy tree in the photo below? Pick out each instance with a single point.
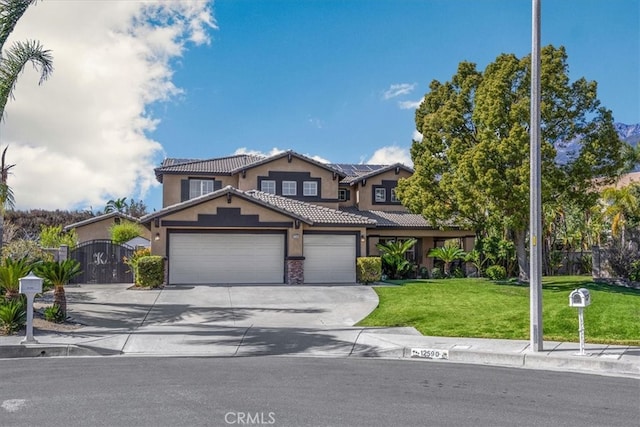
(472, 165)
(117, 205)
(125, 231)
(621, 206)
(58, 274)
(12, 62)
(394, 262)
(447, 254)
(136, 208)
(53, 236)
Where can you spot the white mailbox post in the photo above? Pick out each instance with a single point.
(30, 285)
(580, 298)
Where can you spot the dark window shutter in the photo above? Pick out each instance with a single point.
(348, 196)
(184, 190)
(217, 185)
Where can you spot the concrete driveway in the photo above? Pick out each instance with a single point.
(220, 320)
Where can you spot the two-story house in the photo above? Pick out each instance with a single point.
(280, 219)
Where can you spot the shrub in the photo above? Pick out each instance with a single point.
(634, 274)
(496, 272)
(27, 249)
(458, 273)
(13, 316)
(150, 271)
(394, 262)
(10, 273)
(436, 273)
(135, 257)
(125, 231)
(368, 269)
(52, 236)
(423, 273)
(54, 314)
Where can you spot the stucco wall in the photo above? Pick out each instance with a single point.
(171, 186)
(365, 192)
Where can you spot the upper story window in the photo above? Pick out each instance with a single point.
(309, 188)
(268, 186)
(394, 197)
(381, 195)
(200, 187)
(289, 188)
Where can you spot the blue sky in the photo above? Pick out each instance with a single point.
(340, 80)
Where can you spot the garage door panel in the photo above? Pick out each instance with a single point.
(200, 258)
(329, 258)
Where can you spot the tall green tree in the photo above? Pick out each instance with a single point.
(12, 61)
(472, 164)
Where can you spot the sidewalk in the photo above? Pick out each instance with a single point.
(166, 323)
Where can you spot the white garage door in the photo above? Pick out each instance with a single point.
(329, 258)
(226, 258)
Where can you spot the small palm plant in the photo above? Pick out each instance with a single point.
(393, 257)
(58, 274)
(10, 273)
(447, 254)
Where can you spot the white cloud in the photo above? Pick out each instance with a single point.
(81, 138)
(410, 105)
(398, 90)
(274, 151)
(390, 155)
(417, 136)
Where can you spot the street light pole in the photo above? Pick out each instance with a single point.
(535, 212)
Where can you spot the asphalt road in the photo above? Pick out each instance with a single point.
(281, 391)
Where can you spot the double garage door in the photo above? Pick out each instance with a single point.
(219, 258)
(201, 258)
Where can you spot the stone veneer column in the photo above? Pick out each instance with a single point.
(295, 270)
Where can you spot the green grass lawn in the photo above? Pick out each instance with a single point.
(484, 309)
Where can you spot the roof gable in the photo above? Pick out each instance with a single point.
(100, 218)
(302, 211)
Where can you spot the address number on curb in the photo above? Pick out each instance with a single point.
(429, 353)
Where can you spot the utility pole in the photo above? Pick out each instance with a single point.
(535, 212)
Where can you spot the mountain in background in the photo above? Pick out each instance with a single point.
(628, 133)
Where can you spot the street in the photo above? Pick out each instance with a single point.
(297, 391)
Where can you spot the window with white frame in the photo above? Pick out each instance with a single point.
(200, 187)
(289, 188)
(381, 195)
(268, 186)
(342, 195)
(309, 188)
(394, 198)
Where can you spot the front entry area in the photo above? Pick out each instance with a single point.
(329, 258)
(219, 258)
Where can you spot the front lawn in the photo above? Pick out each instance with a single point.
(484, 309)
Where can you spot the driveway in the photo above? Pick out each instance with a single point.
(220, 320)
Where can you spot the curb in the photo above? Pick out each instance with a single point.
(529, 360)
(52, 350)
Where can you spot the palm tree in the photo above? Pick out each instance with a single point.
(393, 257)
(447, 254)
(117, 205)
(12, 62)
(58, 274)
(10, 273)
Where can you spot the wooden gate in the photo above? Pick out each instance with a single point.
(102, 261)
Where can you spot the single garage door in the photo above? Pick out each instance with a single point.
(200, 258)
(329, 258)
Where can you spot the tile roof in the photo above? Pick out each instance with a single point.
(220, 165)
(358, 172)
(313, 214)
(305, 212)
(397, 219)
(100, 218)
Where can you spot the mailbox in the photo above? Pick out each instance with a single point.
(579, 298)
(30, 284)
